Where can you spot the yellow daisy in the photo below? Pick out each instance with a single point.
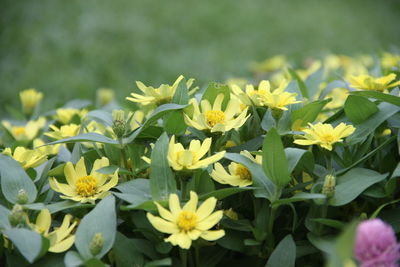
(187, 223)
(64, 131)
(238, 174)
(65, 115)
(26, 157)
(85, 187)
(61, 238)
(324, 135)
(30, 98)
(40, 145)
(158, 96)
(367, 82)
(25, 132)
(213, 118)
(180, 158)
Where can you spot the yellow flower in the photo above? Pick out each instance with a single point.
(230, 213)
(277, 99)
(157, 96)
(40, 146)
(65, 115)
(325, 135)
(64, 131)
(25, 132)
(30, 98)
(339, 96)
(238, 174)
(61, 238)
(104, 96)
(313, 67)
(389, 60)
(270, 64)
(213, 118)
(367, 82)
(187, 223)
(26, 157)
(85, 187)
(180, 158)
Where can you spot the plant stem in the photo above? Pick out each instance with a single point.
(270, 227)
(123, 156)
(183, 256)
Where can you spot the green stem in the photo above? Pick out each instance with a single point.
(123, 156)
(183, 186)
(183, 256)
(197, 256)
(328, 159)
(270, 227)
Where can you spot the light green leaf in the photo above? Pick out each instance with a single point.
(297, 156)
(135, 192)
(308, 113)
(392, 99)
(225, 192)
(14, 179)
(274, 159)
(358, 108)
(86, 137)
(102, 219)
(28, 242)
(213, 90)
(353, 183)
(162, 182)
(284, 254)
(174, 123)
(298, 197)
(300, 82)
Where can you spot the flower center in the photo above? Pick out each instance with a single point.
(215, 116)
(86, 186)
(243, 172)
(19, 130)
(187, 220)
(328, 138)
(186, 158)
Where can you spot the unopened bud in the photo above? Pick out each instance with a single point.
(328, 188)
(96, 245)
(22, 197)
(17, 215)
(119, 123)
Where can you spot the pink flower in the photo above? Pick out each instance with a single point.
(376, 244)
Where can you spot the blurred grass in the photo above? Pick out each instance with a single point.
(69, 48)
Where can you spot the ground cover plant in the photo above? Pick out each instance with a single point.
(294, 166)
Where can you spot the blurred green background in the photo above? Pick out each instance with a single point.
(69, 48)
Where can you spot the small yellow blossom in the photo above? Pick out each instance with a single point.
(324, 135)
(367, 82)
(390, 60)
(61, 238)
(158, 96)
(30, 98)
(238, 174)
(104, 96)
(339, 96)
(187, 223)
(85, 187)
(65, 115)
(313, 67)
(180, 158)
(213, 118)
(230, 213)
(25, 132)
(270, 64)
(26, 157)
(64, 131)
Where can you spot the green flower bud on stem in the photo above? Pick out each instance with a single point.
(17, 216)
(96, 245)
(119, 123)
(22, 197)
(328, 188)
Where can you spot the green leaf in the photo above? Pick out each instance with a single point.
(66, 204)
(353, 183)
(126, 254)
(73, 259)
(267, 189)
(14, 179)
(162, 182)
(28, 242)
(342, 250)
(297, 156)
(162, 262)
(300, 82)
(329, 222)
(392, 99)
(225, 192)
(358, 108)
(112, 168)
(101, 115)
(4, 221)
(181, 95)
(308, 113)
(87, 137)
(284, 254)
(298, 197)
(135, 192)
(174, 123)
(213, 90)
(368, 126)
(102, 219)
(274, 159)
(158, 113)
(313, 82)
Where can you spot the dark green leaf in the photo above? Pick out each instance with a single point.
(213, 90)
(392, 99)
(358, 108)
(308, 113)
(284, 254)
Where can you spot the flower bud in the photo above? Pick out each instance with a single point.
(104, 96)
(30, 98)
(22, 197)
(17, 215)
(119, 123)
(96, 245)
(328, 188)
